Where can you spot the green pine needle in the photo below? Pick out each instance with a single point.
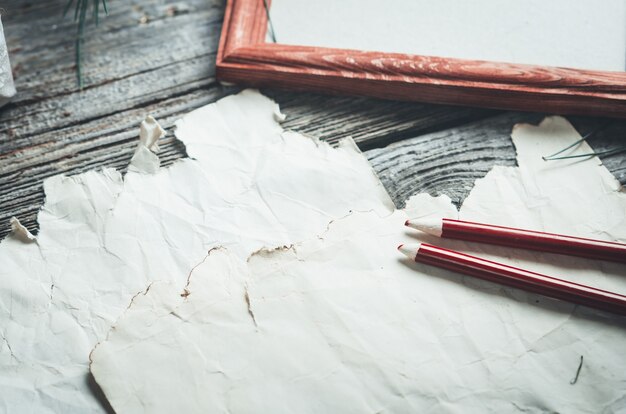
(605, 153)
(80, 17)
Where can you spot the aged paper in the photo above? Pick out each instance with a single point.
(105, 237)
(342, 323)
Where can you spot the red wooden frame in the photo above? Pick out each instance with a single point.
(244, 57)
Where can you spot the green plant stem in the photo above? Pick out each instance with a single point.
(612, 151)
(80, 17)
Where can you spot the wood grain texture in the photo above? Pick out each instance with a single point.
(411, 77)
(372, 123)
(449, 161)
(418, 165)
(165, 67)
(244, 24)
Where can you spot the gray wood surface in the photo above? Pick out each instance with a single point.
(165, 67)
(449, 161)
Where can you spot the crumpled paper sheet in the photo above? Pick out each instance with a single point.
(342, 323)
(105, 237)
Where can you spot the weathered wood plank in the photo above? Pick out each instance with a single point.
(372, 123)
(123, 66)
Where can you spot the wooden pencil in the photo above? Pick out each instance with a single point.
(523, 239)
(515, 277)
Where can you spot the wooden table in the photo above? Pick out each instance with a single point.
(158, 57)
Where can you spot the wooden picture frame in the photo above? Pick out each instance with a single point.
(244, 57)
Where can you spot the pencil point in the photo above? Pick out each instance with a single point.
(409, 250)
(432, 226)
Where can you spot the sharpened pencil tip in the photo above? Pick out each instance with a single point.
(410, 250)
(432, 226)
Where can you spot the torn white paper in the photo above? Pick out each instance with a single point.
(103, 237)
(342, 323)
(20, 232)
(145, 159)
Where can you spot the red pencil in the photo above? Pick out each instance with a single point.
(515, 277)
(523, 239)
